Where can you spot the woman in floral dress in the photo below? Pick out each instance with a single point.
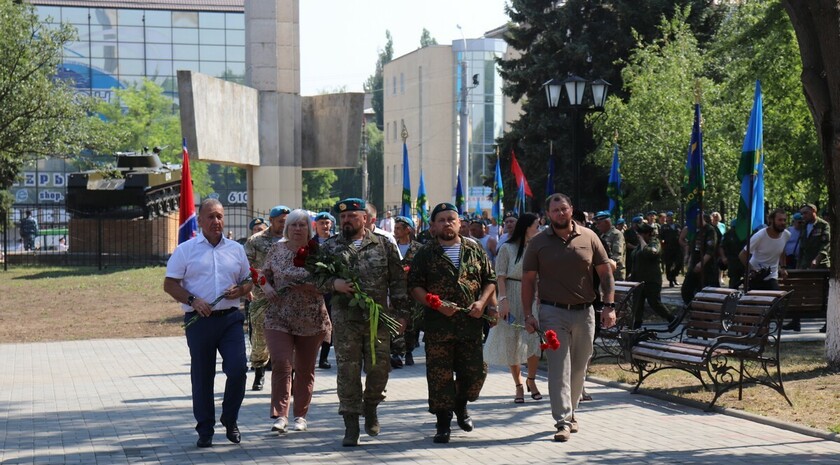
(296, 322)
(509, 345)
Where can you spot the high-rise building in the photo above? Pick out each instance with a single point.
(422, 91)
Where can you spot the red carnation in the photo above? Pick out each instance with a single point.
(406, 268)
(543, 346)
(262, 280)
(551, 340)
(433, 301)
(300, 257)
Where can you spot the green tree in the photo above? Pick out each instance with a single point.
(376, 82)
(317, 190)
(426, 39)
(39, 114)
(376, 164)
(144, 117)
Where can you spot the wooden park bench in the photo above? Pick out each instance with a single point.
(730, 338)
(607, 344)
(810, 293)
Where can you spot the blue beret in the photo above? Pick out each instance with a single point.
(406, 220)
(351, 205)
(637, 219)
(620, 221)
(797, 216)
(256, 221)
(602, 215)
(652, 212)
(324, 216)
(670, 213)
(279, 210)
(442, 207)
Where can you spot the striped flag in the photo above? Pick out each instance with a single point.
(518, 174)
(751, 172)
(460, 202)
(614, 188)
(499, 193)
(695, 177)
(405, 208)
(422, 204)
(519, 207)
(187, 223)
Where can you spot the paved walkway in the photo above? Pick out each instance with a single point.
(128, 401)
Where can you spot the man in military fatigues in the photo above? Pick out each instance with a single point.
(672, 254)
(256, 249)
(375, 262)
(404, 344)
(458, 271)
(613, 242)
(631, 242)
(702, 266)
(646, 264)
(814, 248)
(651, 220)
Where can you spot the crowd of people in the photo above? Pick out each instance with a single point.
(498, 288)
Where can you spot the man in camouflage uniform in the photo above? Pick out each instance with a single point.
(404, 344)
(613, 241)
(256, 249)
(702, 266)
(631, 241)
(458, 271)
(375, 262)
(646, 263)
(814, 248)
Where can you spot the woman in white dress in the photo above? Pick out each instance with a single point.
(508, 345)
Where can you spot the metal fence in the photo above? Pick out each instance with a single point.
(67, 239)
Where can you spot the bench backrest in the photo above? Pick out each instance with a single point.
(626, 294)
(704, 312)
(810, 296)
(760, 313)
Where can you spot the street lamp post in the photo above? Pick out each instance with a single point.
(575, 90)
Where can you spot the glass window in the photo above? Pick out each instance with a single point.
(158, 18)
(185, 18)
(103, 50)
(170, 84)
(159, 68)
(186, 65)
(159, 35)
(103, 17)
(184, 36)
(235, 72)
(235, 20)
(185, 52)
(76, 50)
(82, 29)
(158, 51)
(130, 17)
(74, 15)
(213, 68)
(130, 33)
(235, 37)
(132, 67)
(45, 12)
(211, 20)
(106, 65)
(211, 37)
(131, 80)
(235, 53)
(212, 53)
(133, 51)
(394, 85)
(107, 33)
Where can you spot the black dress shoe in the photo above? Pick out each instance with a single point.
(396, 361)
(409, 359)
(464, 420)
(259, 379)
(205, 441)
(232, 432)
(442, 429)
(792, 326)
(324, 365)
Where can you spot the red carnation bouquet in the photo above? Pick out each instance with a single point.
(434, 302)
(324, 266)
(254, 277)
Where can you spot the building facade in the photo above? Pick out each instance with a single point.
(422, 91)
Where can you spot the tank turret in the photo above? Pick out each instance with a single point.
(140, 185)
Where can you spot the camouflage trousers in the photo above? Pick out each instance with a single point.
(455, 372)
(352, 354)
(256, 321)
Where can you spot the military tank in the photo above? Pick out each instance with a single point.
(140, 185)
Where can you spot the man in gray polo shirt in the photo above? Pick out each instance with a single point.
(563, 256)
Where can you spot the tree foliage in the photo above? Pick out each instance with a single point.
(426, 39)
(317, 190)
(39, 114)
(142, 116)
(376, 82)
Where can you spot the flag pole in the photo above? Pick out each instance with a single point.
(698, 96)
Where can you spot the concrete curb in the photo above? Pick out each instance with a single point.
(774, 422)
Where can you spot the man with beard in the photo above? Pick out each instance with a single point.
(565, 257)
(256, 249)
(767, 253)
(375, 262)
(459, 272)
(200, 270)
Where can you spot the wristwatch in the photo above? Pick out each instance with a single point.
(190, 300)
(610, 305)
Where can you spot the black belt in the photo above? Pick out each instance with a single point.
(218, 313)
(565, 306)
(513, 279)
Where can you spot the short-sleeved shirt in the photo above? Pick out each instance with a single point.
(766, 251)
(565, 268)
(206, 271)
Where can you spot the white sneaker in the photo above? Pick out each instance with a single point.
(300, 424)
(280, 425)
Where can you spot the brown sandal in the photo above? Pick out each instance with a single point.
(535, 393)
(520, 395)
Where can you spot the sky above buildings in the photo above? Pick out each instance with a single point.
(340, 39)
